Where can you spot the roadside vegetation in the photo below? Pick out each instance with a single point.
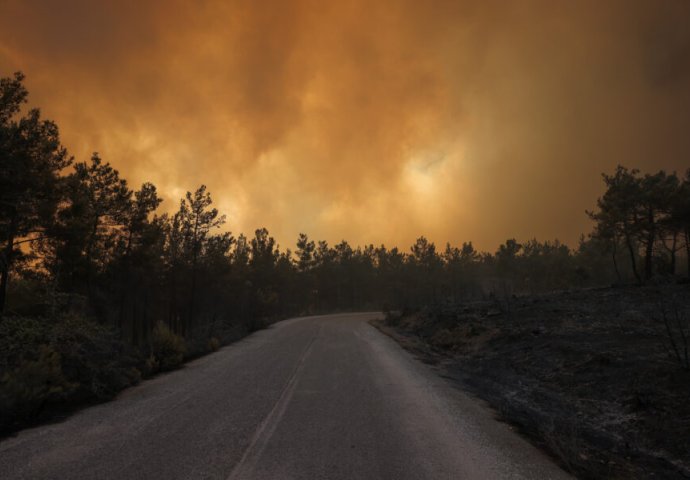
(99, 288)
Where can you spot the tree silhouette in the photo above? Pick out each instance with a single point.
(681, 215)
(639, 210)
(425, 265)
(618, 213)
(106, 200)
(655, 202)
(134, 252)
(305, 253)
(32, 158)
(198, 219)
(264, 256)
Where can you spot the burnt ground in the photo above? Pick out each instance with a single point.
(589, 375)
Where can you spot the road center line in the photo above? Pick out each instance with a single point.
(268, 426)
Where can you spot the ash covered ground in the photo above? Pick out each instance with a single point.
(597, 377)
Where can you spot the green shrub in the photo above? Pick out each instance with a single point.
(95, 357)
(151, 365)
(67, 359)
(34, 382)
(20, 337)
(167, 347)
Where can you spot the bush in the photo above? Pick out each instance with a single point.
(167, 348)
(67, 359)
(21, 337)
(95, 357)
(151, 365)
(213, 344)
(34, 382)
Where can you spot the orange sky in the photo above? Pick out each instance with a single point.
(371, 121)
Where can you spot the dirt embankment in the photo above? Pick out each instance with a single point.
(590, 375)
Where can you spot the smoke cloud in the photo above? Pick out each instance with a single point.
(370, 121)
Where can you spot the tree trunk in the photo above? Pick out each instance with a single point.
(615, 265)
(649, 247)
(687, 249)
(631, 251)
(649, 252)
(172, 303)
(192, 297)
(6, 262)
(124, 282)
(673, 253)
(89, 254)
(189, 320)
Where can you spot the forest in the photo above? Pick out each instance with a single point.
(99, 287)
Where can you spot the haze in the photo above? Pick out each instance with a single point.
(375, 122)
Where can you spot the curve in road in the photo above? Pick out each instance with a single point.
(325, 397)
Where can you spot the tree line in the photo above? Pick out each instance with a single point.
(77, 237)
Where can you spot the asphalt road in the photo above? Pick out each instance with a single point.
(310, 398)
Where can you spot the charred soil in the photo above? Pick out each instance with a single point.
(596, 377)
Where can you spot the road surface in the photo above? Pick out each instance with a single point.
(324, 397)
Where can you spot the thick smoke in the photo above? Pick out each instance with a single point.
(371, 121)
